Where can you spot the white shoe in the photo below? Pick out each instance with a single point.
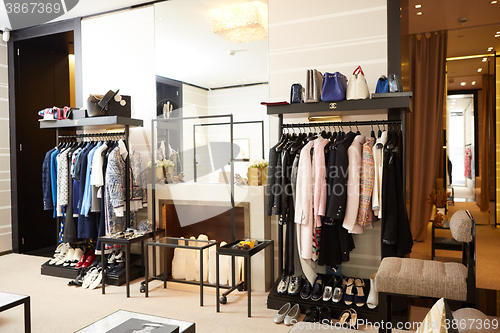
(280, 316)
(372, 301)
(76, 258)
(89, 277)
(68, 257)
(61, 251)
(293, 315)
(96, 279)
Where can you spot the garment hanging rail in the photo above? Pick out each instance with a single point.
(343, 123)
(92, 135)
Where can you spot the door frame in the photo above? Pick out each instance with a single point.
(24, 34)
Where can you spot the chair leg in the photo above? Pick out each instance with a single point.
(384, 312)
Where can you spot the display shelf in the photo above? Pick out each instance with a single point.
(88, 123)
(364, 106)
(229, 250)
(276, 301)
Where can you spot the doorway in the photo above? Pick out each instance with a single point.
(41, 74)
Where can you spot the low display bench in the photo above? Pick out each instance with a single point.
(229, 250)
(124, 321)
(8, 301)
(173, 242)
(126, 243)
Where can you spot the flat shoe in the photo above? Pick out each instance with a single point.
(312, 315)
(292, 316)
(280, 316)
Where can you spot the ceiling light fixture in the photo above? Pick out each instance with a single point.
(418, 6)
(484, 59)
(479, 70)
(490, 48)
(463, 83)
(497, 35)
(419, 13)
(160, 18)
(494, 2)
(473, 83)
(241, 23)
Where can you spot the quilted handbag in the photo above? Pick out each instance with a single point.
(314, 84)
(334, 87)
(296, 93)
(357, 88)
(382, 85)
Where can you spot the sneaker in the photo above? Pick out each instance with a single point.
(328, 292)
(306, 291)
(317, 291)
(294, 285)
(283, 285)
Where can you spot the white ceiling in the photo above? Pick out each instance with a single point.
(187, 50)
(458, 103)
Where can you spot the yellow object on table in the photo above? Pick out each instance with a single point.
(257, 176)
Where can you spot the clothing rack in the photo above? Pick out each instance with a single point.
(91, 135)
(342, 124)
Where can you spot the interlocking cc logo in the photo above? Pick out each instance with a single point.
(25, 13)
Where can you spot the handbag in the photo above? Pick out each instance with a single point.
(357, 88)
(334, 87)
(97, 104)
(314, 84)
(395, 83)
(382, 85)
(296, 93)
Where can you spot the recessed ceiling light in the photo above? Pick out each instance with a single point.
(453, 100)
(490, 48)
(419, 13)
(485, 59)
(494, 2)
(479, 69)
(473, 83)
(418, 6)
(462, 83)
(160, 18)
(496, 36)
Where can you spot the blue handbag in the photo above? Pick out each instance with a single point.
(334, 87)
(382, 85)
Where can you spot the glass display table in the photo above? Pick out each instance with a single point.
(8, 301)
(123, 321)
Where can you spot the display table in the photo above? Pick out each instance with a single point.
(126, 243)
(173, 242)
(247, 254)
(444, 243)
(8, 301)
(117, 323)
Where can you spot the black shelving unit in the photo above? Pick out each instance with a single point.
(395, 108)
(94, 123)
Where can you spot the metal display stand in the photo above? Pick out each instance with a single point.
(173, 242)
(8, 301)
(247, 254)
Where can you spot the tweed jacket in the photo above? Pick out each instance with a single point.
(353, 181)
(365, 212)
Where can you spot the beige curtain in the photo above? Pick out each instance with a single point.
(425, 123)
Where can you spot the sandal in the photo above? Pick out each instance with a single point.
(345, 317)
(349, 295)
(353, 322)
(360, 298)
(96, 279)
(89, 277)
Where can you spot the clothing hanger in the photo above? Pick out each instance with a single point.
(357, 132)
(379, 131)
(372, 133)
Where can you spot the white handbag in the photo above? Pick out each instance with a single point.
(357, 88)
(314, 84)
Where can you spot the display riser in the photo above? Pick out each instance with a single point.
(276, 301)
(116, 279)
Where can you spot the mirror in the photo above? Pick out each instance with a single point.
(199, 73)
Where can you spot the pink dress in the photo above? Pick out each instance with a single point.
(353, 182)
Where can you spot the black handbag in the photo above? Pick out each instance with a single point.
(97, 105)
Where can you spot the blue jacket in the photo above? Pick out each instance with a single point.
(46, 184)
(53, 179)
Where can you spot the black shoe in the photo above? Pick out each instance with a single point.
(312, 315)
(306, 291)
(324, 315)
(317, 292)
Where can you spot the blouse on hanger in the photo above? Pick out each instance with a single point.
(378, 160)
(365, 212)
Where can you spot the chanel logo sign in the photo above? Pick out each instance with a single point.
(333, 106)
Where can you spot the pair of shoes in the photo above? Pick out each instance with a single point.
(288, 314)
(86, 260)
(317, 291)
(60, 254)
(360, 297)
(349, 318)
(316, 314)
(294, 285)
(93, 278)
(73, 257)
